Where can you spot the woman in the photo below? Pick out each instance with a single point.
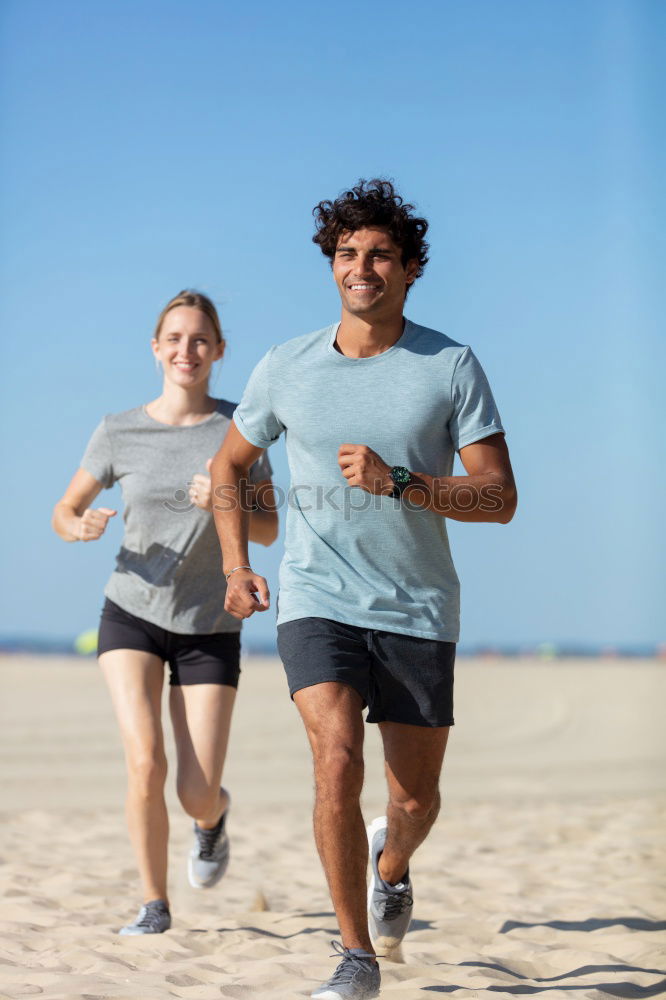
(165, 598)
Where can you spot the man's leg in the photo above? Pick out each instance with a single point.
(413, 760)
(332, 716)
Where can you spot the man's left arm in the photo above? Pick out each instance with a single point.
(487, 493)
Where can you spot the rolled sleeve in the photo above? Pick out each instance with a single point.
(475, 415)
(254, 416)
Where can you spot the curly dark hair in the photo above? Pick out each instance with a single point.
(372, 203)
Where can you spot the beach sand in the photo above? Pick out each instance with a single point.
(543, 874)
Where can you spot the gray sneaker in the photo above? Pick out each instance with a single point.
(389, 906)
(209, 857)
(153, 918)
(356, 977)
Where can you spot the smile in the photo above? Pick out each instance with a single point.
(363, 288)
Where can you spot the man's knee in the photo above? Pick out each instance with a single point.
(420, 806)
(338, 770)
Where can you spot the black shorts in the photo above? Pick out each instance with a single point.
(401, 678)
(192, 659)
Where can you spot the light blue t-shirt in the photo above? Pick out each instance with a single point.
(350, 556)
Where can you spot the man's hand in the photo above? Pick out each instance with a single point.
(200, 489)
(361, 466)
(93, 522)
(247, 592)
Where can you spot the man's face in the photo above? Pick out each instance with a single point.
(370, 276)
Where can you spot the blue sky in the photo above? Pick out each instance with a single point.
(155, 145)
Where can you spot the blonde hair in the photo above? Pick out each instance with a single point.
(196, 300)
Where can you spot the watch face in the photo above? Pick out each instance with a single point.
(400, 475)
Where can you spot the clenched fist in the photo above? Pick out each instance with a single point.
(93, 522)
(361, 466)
(200, 489)
(247, 592)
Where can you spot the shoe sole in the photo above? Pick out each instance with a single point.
(334, 995)
(389, 945)
(125, 933)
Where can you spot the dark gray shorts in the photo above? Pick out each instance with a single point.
(401, 678)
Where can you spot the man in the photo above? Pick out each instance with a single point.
(374, 408)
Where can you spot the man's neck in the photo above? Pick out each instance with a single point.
(360, 338)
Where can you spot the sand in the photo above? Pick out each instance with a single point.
(543, 874)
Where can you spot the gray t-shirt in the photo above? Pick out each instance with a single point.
(169, 569)
(350, 556)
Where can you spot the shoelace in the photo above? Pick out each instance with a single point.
(396, 903)
(207, 839)
(150, 916)
(349, 966)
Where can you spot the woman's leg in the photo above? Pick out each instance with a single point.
(135, 680)
(201, 716)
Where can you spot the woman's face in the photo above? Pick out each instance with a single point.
(187, 346)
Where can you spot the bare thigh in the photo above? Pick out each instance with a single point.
(135, 680)
(413, 758)
(201, 718)
(332, 715)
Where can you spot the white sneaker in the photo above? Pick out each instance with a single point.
(356, 977)
(153, 918)
(389, 906)
(209, 857)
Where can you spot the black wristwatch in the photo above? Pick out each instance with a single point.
(401, 477)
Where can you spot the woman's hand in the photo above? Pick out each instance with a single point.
(93, 522)
(200, 489)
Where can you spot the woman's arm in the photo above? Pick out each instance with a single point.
(263, 518)
(73, 518)
(258, 499)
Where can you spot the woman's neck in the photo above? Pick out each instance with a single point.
(181, 407)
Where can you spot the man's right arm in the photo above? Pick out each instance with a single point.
(247, 592)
